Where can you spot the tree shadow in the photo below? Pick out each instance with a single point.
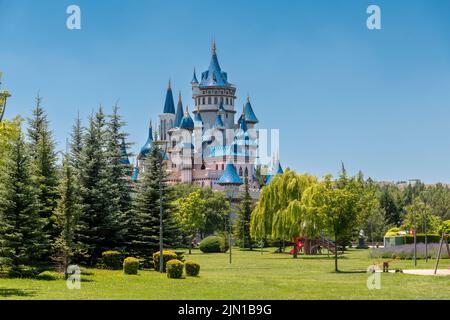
(350, 271)
(6, 292)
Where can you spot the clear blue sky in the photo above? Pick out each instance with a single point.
(377, 100)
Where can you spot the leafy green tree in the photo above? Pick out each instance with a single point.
(143, 230)
(9, 130)
(45, 170)
(438, 198)
(425, 220)
(66, 217)
(190, 215)
(22, 240)
(390, 203)
(242, 225)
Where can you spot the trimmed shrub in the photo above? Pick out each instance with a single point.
(392, 232)
(49, 276)
(131, 265)
(175, 269)
(192, 268)
(214, 244)
(112, 260)
(168, 255)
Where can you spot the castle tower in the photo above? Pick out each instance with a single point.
(187, 148)
(213, 91)
(167, 118)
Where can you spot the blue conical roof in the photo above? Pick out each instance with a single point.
(280, 168)
(214, 76)
(230, 176)
(145, 150)
(179, 114)
(194, 78)
(219, 123)
(187, 122)
(169, 105)
(276, 172)
(198, 116)
(124, 154)
(249, 113)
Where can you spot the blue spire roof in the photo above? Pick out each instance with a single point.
(145, 150)
(124, 154)
(277, 172)
(280, 168)
(194, 78)
(179, 114)
(219, 123)
(169, 105)
(214, 76)
(243, 124)
(249, 114)
(198, 116)
(230, 176)
(187, 122)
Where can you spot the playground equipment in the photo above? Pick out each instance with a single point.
(444, 236)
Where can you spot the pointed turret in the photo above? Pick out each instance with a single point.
(145, 150)
(169, 105)
(179, 114)
(230, 176)
(214, 76)
(194, 78)
(123, 153)
(250, 116)
(187, 122)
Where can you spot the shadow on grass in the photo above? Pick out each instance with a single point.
(5, 293)
(350, 271)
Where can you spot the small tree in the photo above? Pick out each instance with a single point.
(66, 213)
(190, 215)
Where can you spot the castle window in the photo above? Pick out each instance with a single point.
(226, 100)
(221, 99)
(223, 167)
(246, 172)
(217, 167)
(203, 102)
(209, 100)
(240, 171)
(215, 100)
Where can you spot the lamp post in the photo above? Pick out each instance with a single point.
(231, 182)
(415, 239)
(161, 228)
(3, 97)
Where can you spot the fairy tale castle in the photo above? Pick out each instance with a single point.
(199, 144)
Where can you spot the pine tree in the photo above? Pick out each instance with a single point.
(76, 144)
(119, 175)
(67, 215)
(45, 171)
(144, 227)
(22, 240)
(96, 223)
(242, 226)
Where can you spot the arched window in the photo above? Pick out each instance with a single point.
(246, 172)
(203, 102)
(240, 171)
(226, 101)
(209, 100)
(217, 167)
(215, 100)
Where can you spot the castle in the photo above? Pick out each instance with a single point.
(198, 145)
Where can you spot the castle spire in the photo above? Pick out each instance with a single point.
(169, 105)
(194, 78)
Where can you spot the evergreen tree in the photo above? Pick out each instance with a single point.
(119, 175)
(242, 227)
(44, 167)
(96, 225)
(22, 240)
(76, 144)
(67, 215)
(144, 227)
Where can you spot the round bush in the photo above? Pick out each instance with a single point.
(192, 268)
(49, 276)
(214, 244)
(131, 265)
(112, 260)
(175, 269)
(168, 255)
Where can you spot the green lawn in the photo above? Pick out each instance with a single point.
(251, 276)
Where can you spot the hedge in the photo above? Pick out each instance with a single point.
(167, 256)
(214, 244)
(175, 269)
(192, 268)
(112, 260)
(420, 238)
(131, 265)
(49, 276)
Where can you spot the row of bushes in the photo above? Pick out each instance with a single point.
(175, 269)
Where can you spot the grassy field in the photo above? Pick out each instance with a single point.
(251, 276)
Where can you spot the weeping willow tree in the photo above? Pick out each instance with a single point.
(279, 213)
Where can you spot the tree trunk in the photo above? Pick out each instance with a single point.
(295, 250)
(190, 245)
